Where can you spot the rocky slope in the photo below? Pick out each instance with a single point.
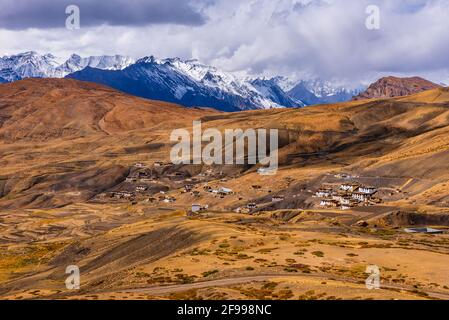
(390, 87)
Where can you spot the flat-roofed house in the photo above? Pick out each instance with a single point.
(198, 208)
(340, 195)
(251, 206)
(423, 230)
(277, 199)
(139, 165)
(223, 191)
(329, 203)
(242, 210)
(124, 194)
(361, 196)
(351, 186)
(169, 200)
(367, 190)
(346, 200)
(324, 193)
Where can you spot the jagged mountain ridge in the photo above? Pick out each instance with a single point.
(317, 91)
(190, 83)
(186, 82)
(33, 65)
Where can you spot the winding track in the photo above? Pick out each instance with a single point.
(160, 290)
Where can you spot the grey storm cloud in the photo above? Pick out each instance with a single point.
(296, 38)
(43, 14)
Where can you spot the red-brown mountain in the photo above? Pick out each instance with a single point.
(390, 87)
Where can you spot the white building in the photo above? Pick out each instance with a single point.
(328, 203)
(169, 200)
(198, 208)
(277, 199)
(139, 165)
(251, 206)
(324, 193)
(351, 187)
(223, 190)
(367, 190)
(361, 196)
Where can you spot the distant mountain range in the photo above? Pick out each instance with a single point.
(189, 82)
(33, 65)
(318, 91)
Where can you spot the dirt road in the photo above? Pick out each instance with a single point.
(160, 290)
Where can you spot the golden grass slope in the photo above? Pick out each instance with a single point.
(49, 217)
(52, 108)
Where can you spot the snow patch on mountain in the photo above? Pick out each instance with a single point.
(33, 65)
(220, 82)
(77, 63)
(28, 65)
(318, 91)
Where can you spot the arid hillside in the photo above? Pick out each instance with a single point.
(86, 180)
(42, 109)
(64, 140)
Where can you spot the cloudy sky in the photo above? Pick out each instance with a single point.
(296, 38)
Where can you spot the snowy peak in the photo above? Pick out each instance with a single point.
(317, 91)
(188, 82)
(219, 84)
(28, 65)
(77, 63)
(33, 65)
(271, 90)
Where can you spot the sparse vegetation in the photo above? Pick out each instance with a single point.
(319, 254)
(209, 273)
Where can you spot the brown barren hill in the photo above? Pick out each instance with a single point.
(62, 200)
(390, 87)
(42, 109)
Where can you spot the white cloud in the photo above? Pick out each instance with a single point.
(316, 38)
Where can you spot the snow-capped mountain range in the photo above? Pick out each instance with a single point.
(76, 63)
(188, 82)
(33, 65)
(318, 91)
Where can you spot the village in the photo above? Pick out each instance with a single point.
(349, 195)
(152, 184)
(163, 183)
